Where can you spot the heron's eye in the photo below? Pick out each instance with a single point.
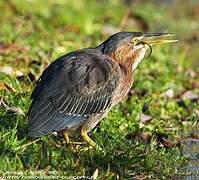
(135, 40)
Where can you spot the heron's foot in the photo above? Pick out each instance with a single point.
(77, 143)
(87, 138)
(91, 143)
(67, 140)
(66, 137)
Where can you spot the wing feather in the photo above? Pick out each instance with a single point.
(72, 89)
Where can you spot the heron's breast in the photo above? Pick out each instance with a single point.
(123, 88)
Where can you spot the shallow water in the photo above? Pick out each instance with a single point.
(191, 151)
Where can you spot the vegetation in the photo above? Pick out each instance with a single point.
(140, 137)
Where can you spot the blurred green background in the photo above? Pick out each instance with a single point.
(140, 137)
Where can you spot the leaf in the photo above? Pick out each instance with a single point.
(5, 86)
(190, 95)
(12, 109)
(166, 142)
(168, 94)
(8, 48)
(139, 136)
(145, 118)
(16, 110)
(140, 92)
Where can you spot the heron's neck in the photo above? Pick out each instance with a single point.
(124, 57)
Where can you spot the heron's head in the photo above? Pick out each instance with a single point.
(125, 47)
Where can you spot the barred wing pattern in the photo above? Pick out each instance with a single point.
(72, 89)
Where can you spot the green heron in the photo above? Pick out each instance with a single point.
(76, 90)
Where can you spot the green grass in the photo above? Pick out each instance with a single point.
(33, 33)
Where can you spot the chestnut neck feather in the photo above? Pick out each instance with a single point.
(124, 57)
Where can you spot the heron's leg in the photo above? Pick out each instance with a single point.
(87, 138)
(66, 136)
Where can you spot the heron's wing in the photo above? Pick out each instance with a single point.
(70, 90)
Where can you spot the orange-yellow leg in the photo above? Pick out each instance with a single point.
(87, 138)
(66, 137)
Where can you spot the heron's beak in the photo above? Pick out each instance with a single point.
(159, 38)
